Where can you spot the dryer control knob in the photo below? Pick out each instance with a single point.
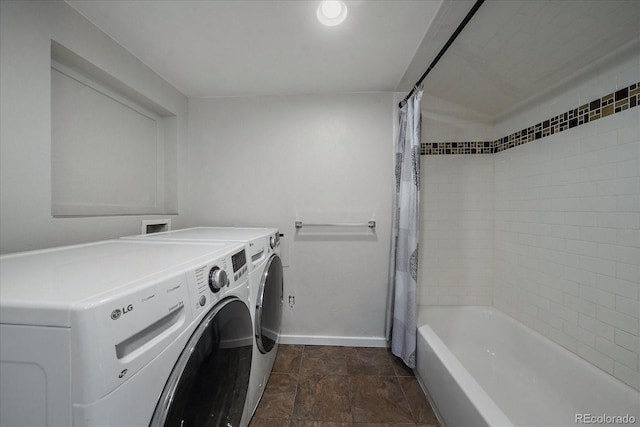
(272, 242)
(217, 279)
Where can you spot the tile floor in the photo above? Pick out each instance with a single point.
(319, 386)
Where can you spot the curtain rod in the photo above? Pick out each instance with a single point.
(455, 34)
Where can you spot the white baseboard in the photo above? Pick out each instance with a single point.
(334, 340)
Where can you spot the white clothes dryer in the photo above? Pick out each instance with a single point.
(125, 333)
(266, 285)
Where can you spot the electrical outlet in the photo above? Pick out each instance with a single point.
(292, 301)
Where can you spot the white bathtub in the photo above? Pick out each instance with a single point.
(480, 367)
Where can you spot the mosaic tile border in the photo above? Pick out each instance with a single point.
(612, 103)
(469, 147)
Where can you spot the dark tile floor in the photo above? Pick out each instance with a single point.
(319, 386)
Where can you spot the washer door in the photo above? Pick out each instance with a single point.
(208, 385)
(269, 305)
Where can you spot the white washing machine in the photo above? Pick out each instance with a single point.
(265, 282)
(125, 333)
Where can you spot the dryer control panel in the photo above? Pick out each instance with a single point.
(211, 282)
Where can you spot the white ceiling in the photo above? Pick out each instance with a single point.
(240, 48)
(513, 50)
(510, 51)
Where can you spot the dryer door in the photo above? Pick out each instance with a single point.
(208, 386)
(269, 305)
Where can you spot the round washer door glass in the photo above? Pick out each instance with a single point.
(269, 305)
(208, 385)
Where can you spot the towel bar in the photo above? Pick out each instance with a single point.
(370, 224)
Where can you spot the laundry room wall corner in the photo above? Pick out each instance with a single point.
(28, 30)
(273, 160)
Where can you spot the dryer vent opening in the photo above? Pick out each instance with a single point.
(156, 226)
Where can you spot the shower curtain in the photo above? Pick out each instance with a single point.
(403, 276)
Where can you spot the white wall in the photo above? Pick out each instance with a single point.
(269, 161)
(567, 242)
(567, 224)
(445, 121)
(456, 235)
(615, 71)
(456, 209)
(26, 32)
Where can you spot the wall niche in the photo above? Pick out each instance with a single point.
(113, 150)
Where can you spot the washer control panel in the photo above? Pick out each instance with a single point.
(217, 279)
(239, 261)
(209, 282)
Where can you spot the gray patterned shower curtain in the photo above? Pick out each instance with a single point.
(403, 276)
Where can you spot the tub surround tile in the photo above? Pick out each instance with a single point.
(612, 103)
(465, 147)
(628, 376)
(457, 230)
(566, 252)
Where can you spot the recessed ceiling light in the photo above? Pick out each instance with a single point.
(332, 12)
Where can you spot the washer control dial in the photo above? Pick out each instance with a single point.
(272, 242)
(217, 279)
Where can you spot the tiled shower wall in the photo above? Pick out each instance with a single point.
(567, 240)
(563, 210)
(456, 263)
